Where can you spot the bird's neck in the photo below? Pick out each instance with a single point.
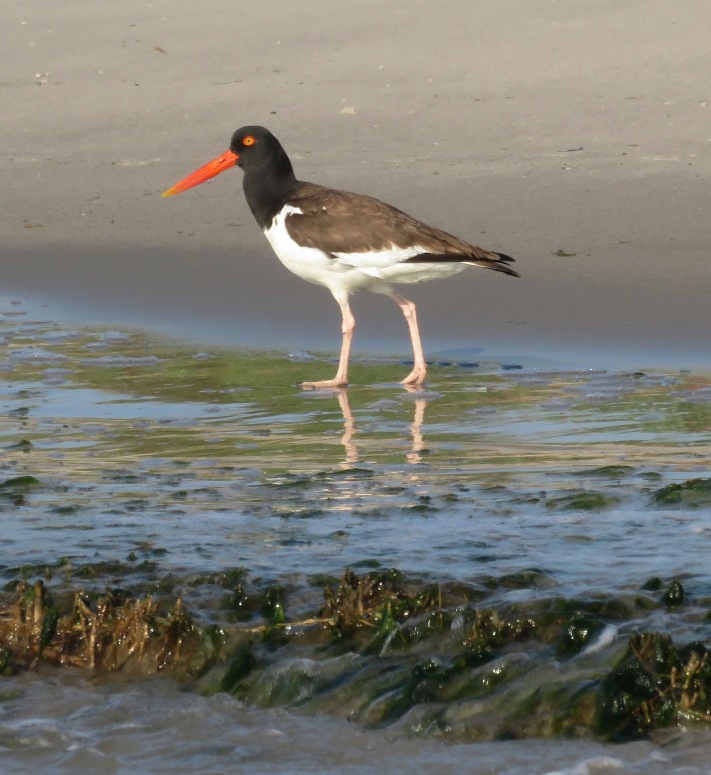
(268, 187)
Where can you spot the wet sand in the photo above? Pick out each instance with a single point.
(527, 126)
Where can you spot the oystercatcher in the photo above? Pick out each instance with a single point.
(344, 241)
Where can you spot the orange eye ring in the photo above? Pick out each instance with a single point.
(249, 140)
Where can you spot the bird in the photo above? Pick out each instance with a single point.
(344, 241)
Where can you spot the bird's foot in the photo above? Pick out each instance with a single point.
(336, 382)
(415, 377)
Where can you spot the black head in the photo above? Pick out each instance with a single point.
(257, 148)
(268, 174)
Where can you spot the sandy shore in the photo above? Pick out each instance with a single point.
(528, 126)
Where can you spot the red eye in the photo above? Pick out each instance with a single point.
(249, 140)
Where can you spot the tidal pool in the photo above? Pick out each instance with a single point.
(207, 476)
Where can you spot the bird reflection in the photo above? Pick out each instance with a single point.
(414, 454)
(418, 443)
(349, 429)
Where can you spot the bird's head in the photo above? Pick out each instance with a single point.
(251, 147)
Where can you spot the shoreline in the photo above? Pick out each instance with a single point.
(299, 338)
(582, 150)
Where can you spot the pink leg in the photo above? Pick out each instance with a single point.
(348, 326)
(419, 370)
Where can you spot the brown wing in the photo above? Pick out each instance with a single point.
(342, 222)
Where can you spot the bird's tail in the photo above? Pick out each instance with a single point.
(498, 264)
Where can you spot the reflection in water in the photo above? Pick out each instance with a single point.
(413, 456)
(418, 444)
(349, 429)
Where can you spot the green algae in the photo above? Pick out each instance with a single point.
(656, 685)
(693, 493)
(578, 631)
(611, 472)
(257, 387)
(110, 632)
(383, 648)
(582, 501)
(527, 579)
(674, 594)
(17, 488)
(239, 667)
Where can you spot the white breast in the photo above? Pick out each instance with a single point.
(310, 264)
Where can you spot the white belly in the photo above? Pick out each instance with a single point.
(312, 264)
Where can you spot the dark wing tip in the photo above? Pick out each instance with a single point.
(502, 265)
(498, 264)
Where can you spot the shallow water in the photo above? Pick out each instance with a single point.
(157, 463)
(69, 723)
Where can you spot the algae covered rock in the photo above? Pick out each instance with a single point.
(386, 649)
(582, 501)
(655, 686)
(693, 493)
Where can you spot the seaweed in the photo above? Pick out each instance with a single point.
(693, 493)
(100, 632)
(383, 646)
(656, 685)
(375, 604)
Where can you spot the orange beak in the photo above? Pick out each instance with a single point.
(209, 170)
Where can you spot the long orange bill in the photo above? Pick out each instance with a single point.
(209, 170)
